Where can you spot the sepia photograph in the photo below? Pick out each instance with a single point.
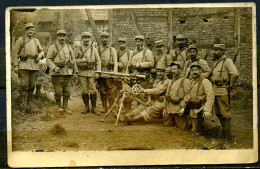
(131, 85)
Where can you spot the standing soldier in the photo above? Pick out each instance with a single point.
(61, 61)
(179, 54)
(201, 98)
(224, 76)
(161, 60)
(124, 57)
(27, 53)
(142, 61)
(192, 53)
(88, 61)
(108, 64)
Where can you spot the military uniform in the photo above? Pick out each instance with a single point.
(202, 62)
(24, 55)
(88, 61)
(201, 99)
(108, 64)
(124, 58)
(224, 75)
(62, 57)
(157, 105)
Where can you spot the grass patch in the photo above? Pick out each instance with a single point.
(57, 129)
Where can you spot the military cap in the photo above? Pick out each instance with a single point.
(192, 47)
(196, 64)
(61, 32)
(28, 25)
(176, 63)
(139, 37)
(219, 46)
(121, 40)
(180, 36)
(160, 68)
(104, 34)
(159, 43)
(85, 34)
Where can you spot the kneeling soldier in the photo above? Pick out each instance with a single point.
(201, 98)
(61, 61)
(88, 61)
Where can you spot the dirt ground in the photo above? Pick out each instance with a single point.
(34, 132)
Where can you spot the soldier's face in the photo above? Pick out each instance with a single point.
(195, 72)
(180, 42)
(86, 40)
(30, 32)
(61, 38)
(175, 71)
(218, 53)
(104, 40)
(159, 49)
(139, 43)
(160, 74)
(192, 53)
(122, 45)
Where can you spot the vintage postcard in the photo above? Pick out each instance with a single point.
(131, 85)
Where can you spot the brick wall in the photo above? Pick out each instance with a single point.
(205, 25)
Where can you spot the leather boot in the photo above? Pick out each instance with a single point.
(104, 103)
(226, 129)
(131, 120)
(57, 107)
(65, 105)
(85, 98)
(93, 98)
(38, 91)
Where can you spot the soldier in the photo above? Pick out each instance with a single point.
(224, 76)
(161, 60)
(142, 61)
(154, 111)
(179, 54)
(108, 64)
(124, 57)
(61, 61)
(26, 54)
(88, 61)
(201, 98)
(192, 53)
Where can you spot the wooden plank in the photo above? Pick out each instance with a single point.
(136, 25)
(237, 35)
(170, 27)
(110, 26)
(93, 26)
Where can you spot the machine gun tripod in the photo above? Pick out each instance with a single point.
(126, 91)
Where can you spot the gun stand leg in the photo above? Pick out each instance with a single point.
(109, 111)
(119, 111)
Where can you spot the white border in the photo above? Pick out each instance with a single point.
(149, 157)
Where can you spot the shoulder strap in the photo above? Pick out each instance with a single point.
(110, 54)
(181, 84)
(144, 52)
(58, 51)
(81, 50)
(198, 87)
(128, 55)
(222, 67)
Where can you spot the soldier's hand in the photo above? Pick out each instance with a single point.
(181, 112)
(206, 114)
(56, 70)
(84, 59)
(96, 75)
(16, 70)
(39, 57)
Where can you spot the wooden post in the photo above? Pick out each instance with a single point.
(110, 26)
(136, 25)
(93, 26)
(170, 26)
(237, 35)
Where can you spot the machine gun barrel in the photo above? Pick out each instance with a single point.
(119, 75)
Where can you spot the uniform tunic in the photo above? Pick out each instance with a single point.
(223, 69)
(31, 48)
(124, 57)
(87, 76)
(179, 55)
(187, 71)
(162, 61)
(203, 93)
(61, 81)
